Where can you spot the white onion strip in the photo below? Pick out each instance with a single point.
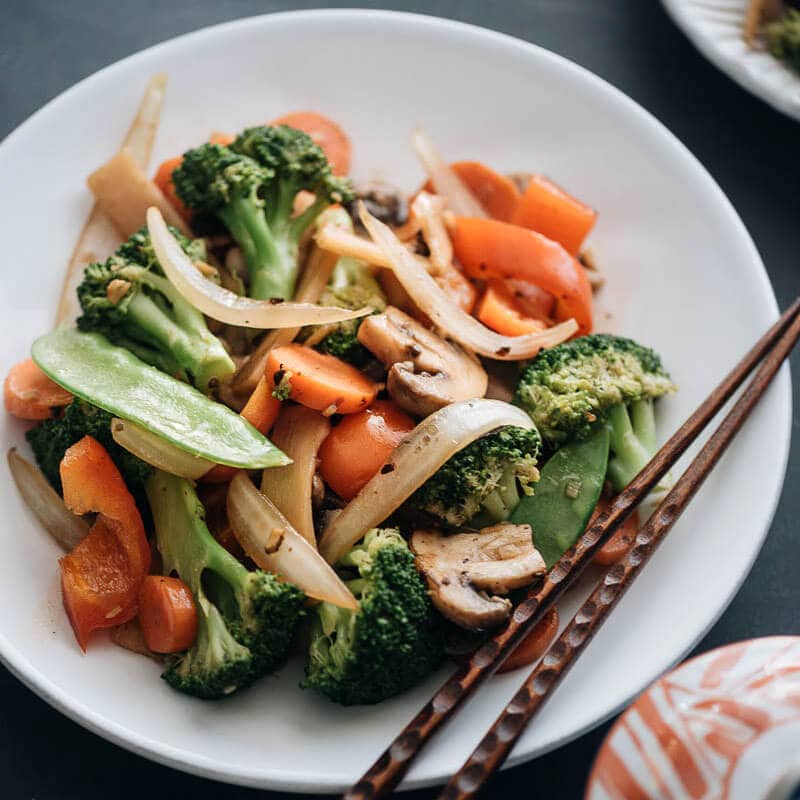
(45, 504)
(448, 185)
(348, 244)
(446, 315)
(158, 452)
(226, 306)
(413, 461)
(99, 237)
(299, 432)
(428, 209)
(271, 541)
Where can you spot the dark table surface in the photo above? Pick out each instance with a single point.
(750, 150)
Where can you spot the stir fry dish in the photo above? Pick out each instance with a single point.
(775, 24)
(292, 415)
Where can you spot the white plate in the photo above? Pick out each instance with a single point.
(715, 27)
(683, 276)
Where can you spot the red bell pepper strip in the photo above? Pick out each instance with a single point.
(490, 249)
(102, 576)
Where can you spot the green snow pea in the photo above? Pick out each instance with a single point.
(114, 379)
(565, 496)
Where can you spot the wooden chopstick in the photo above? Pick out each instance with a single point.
(387, 771)
(495, 746)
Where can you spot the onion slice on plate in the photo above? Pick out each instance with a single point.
(446, 315)
(428, 210)
(99, 237)
(226, 306)
(45, 503)
(271, 541)
(158, 452)
(299, 432)
(435, 440)
(448, 185)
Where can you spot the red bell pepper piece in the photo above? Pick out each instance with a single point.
(102, 576)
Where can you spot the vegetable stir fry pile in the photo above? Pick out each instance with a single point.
(443, 419)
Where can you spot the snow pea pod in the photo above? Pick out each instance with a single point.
(565, 496)
(114, 379)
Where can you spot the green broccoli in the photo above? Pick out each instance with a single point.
(51, 438)
(131, 302)
(391, 643)
(251, 187)
(482, 478)
(600, 379)
(352, 285)
(246, 619)
(783, 38)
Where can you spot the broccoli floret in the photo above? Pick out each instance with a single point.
(246, 619)
(568, 388)
(352, 285)
(132, 302)
(593, 380)
(251, 187)
(783, 38)
(51, 438)
(482, 478)
(391, 643)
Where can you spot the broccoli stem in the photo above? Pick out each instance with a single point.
(175, 326)
(185, 543)
(271, 259)
(503, 499)
(634, 443)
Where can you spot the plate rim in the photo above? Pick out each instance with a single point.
(680, 13)
(274, 779)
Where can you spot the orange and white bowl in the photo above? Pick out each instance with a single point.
(722, 726)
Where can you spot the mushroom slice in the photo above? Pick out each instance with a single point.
(466, 571)
(426, 372)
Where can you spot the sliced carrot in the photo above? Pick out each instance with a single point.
(261, 410)
(498, 310)
(616, 547)
(497, 194)
(326, 133)
(163, 179)
(101, 577)
(360, 444)
(220, 137)
(532, 647)
(488, 249)
(319, 381)
(29, 394)
(547, 208)
(167, 614)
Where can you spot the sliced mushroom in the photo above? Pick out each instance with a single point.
(426, 372)
(466, 571)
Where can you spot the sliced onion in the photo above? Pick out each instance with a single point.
(44, 502)
(448, 185)
(271, 541)
(99, 237)
(299, 432)
(413, 461)
(446, 315)
(158, 452)
(428, 209)
(345, 243)
(312, 283)
(226, 306)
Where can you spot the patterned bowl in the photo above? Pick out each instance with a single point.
(722, 726)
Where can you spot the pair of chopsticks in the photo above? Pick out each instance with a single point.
(387, 771)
